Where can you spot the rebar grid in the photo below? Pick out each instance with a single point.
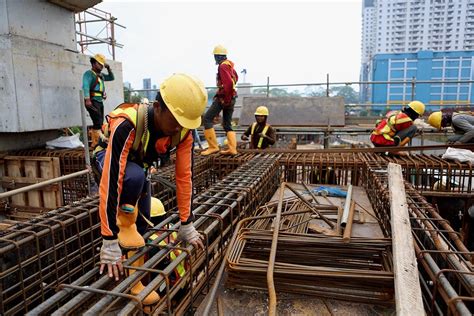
(428, 173)
(445, 264)
(217, 210)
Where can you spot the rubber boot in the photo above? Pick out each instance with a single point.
(404, 141)
(151, 298)
(128, 236)
(211, 138)
(231, 144)
(95, 135)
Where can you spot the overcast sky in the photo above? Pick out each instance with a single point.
(289, 41)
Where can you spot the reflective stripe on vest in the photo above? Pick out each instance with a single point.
(100, 92)
(264, 133)
(131, 112)
(180, 268)
(386, 128)
(234, 80)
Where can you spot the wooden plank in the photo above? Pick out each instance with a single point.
(13, 168)
(46, 170)
(407, 283)
(31, 171)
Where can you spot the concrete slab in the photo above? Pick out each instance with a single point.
(76, 5)
(296, 111)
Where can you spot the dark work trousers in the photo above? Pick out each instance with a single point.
(401, 135)
(215, 108)
(404, 133)
(135, 188)
(96, 111)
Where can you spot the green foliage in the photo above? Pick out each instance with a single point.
(130, 96)
(349, 94)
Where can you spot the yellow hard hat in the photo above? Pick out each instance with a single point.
(157, 208)
(435, 119)
(417, 106)
(186, 98)
(100, 59)
(219, 50)
(262, 110)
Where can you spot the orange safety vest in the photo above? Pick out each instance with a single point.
(386, 127)
(264, 132)
(137, 115)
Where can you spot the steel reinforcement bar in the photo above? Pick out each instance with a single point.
(427, 173)
(445, 264)
(217, 210)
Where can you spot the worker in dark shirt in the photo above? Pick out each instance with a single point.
(261, 134)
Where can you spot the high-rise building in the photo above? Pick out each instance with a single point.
(127, 85)
(147, 85)
(410, 26)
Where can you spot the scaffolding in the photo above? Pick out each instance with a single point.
(103, 21)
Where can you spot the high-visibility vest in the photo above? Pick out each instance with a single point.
(180, 269)
(264, 132)
(137, 115)
(98, 81)
(387, 126)
(234, 75)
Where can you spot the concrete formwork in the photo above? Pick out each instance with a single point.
(40, 69)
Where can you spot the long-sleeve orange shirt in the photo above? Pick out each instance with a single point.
(119, 152)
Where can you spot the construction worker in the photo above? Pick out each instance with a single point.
(462, 124)
(138, 135)
(94, 93)
(397, 128)
(224, 101)
(261, 134)
(157, 215)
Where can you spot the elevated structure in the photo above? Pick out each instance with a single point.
(41, 71)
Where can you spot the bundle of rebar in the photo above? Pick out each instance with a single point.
(216, 212)
(311, 264)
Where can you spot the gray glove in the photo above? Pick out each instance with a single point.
(188, 233)
(110, 253)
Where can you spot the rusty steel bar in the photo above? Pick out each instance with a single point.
(253, 183)
(272, 301)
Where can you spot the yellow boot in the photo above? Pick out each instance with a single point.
(95, 134)
(153, 297)
(211, 138)
(128, 236)
(231, 144)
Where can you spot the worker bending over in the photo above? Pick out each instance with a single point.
(462, 124)
(224, 101)
(397, 128)
(138, 135)
(261, 134)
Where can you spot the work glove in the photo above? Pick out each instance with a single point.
(111, 255)
(188, 233)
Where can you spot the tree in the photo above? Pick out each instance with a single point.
(349, 94)
(312, 91)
